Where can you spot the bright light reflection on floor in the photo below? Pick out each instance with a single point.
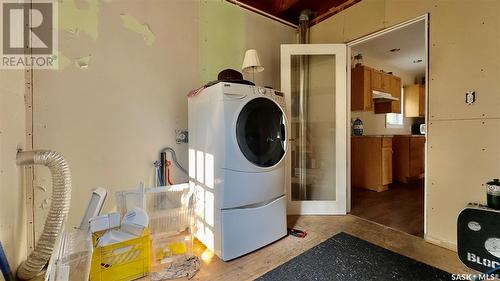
(207, 256)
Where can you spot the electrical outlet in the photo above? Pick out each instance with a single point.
(181, 136)
(470, 97)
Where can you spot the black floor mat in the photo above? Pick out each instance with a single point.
(345, 257)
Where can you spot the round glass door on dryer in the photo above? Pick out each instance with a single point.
(261, 132)
(258, 130)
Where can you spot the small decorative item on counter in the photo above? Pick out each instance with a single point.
(357, 127)
(493, 194)
(358, 59)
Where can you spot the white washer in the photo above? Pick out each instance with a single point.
(237, 147)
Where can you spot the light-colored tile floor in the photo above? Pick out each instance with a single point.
(320, 228)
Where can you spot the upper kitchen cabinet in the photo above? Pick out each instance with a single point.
(396, 92)
(361, 89)
(414, 101)
(381, 81)
(365, 80)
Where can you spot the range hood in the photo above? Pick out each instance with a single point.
(379, 96)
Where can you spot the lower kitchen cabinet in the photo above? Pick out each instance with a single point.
(371, 162)
(408, 158)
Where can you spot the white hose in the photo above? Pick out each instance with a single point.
(59, 208)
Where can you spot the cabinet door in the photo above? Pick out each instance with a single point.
(396, 92)
(417, 156)
(421, 101)
(411, 101)
(401, 158)
(386, 165)
(361, 95)
(377, 80)
(386, 82)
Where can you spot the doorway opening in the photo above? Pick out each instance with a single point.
(388, 111)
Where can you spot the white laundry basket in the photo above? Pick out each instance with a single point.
(170, 208)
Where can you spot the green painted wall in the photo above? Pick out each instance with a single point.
(222, 38)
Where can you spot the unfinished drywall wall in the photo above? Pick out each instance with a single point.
(461, 155)
(111, 113)
(374, 124)
(12, 137)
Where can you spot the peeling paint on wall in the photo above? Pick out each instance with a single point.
(133, 24)
(74, 19)
(45, 204)
(83, 62)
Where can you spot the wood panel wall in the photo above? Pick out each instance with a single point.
(463, 151)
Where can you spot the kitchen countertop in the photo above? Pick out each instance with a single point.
(373, 136)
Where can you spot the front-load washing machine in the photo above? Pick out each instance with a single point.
(237, 147)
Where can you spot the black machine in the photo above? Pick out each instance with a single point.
(478, 235)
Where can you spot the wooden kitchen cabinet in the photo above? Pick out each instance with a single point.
(371, 162)
(386, 165)
(380, 81)
(396, 92)
(414, 100)
(361, 89)
(364, 80)
(408, 158)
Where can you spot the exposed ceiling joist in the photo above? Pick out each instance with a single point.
(279, 6)
(289, 10)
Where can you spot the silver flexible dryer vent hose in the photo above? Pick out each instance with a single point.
(59, 208)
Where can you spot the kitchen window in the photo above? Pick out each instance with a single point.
(395, 120)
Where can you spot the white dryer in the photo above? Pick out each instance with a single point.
(237, 147)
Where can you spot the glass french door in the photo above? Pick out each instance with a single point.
(313, 78)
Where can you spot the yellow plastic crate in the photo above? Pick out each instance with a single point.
(122, 261)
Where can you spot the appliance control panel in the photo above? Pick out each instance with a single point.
(277, 96)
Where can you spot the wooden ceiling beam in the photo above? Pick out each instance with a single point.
(280, 6)
(333, 11)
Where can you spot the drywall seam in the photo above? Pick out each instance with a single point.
(29, 171)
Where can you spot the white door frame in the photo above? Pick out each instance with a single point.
(354, 42)
(337, 207)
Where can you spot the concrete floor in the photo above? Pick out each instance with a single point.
(320, 228)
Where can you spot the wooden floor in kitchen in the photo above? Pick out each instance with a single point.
(401, 207)
(320, 228)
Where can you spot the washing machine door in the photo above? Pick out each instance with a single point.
(260, 132)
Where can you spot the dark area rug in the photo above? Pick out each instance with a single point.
(345, 257)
